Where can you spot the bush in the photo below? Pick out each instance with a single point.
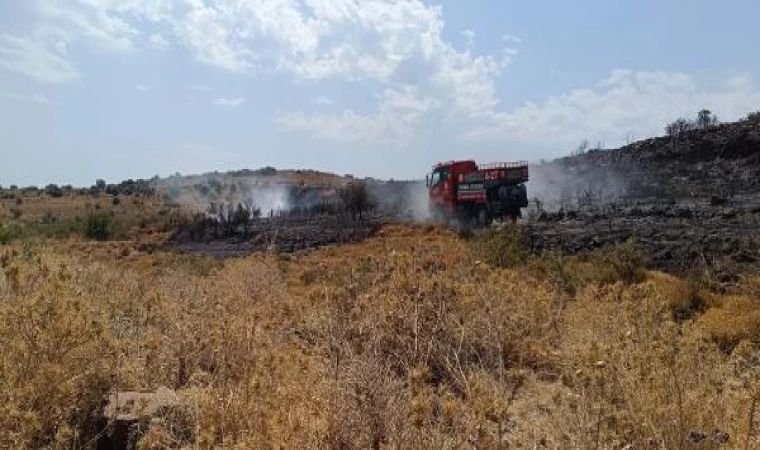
(267, 171)
(5, 235)
(732, 320)
(678, 127)
(504, 248)
(356, 198)
(98, 227)
(116, 201)
(53, 191)
(706, 119)
(611, 264)
(753, 117)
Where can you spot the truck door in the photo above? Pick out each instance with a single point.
(440, 189)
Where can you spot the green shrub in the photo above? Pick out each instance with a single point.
(98, 227)
(504, 247)
(609, 265)
(5, 235)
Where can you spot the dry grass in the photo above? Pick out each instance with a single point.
(405, 341)
(44, 216)
(37, 207)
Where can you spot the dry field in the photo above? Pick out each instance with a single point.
(414, 338)
(31, 215)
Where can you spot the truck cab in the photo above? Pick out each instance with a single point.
(442, 184)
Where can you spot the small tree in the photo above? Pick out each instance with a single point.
(582, 148)
(53, 190)
(679, 127)
(241, 216)
(706, 119)
(753, 117)
(356, 198)
(100, 184)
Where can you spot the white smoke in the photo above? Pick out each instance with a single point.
(418, 201)
(563, 183)
(268, 199)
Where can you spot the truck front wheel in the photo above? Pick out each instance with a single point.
(483, 217)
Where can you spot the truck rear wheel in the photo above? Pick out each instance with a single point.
(515, 213)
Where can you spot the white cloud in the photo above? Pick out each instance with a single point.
(469, 38)
(89, 19)
(158, 42)
(323, 101)
(39, 99)
(310, 39)
(62, 47)
(35, 59)
(347, 126)
(508, 38)
(229, 102)
(143, 87)
(400, 110)
(397, 48)
(625, 103)
(208, 31)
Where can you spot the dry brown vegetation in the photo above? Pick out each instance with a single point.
(412, 339)
(25, 215)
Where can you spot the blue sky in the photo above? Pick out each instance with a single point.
(133, 88)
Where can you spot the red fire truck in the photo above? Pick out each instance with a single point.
(477, 194)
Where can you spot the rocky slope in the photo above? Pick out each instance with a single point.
(692, 202)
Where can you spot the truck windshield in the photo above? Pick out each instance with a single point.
(439, 176)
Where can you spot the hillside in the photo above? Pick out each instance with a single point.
(691, 202)
(722, 161)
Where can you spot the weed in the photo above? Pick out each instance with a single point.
(505, 247)
(5, 234)
(98, 227)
